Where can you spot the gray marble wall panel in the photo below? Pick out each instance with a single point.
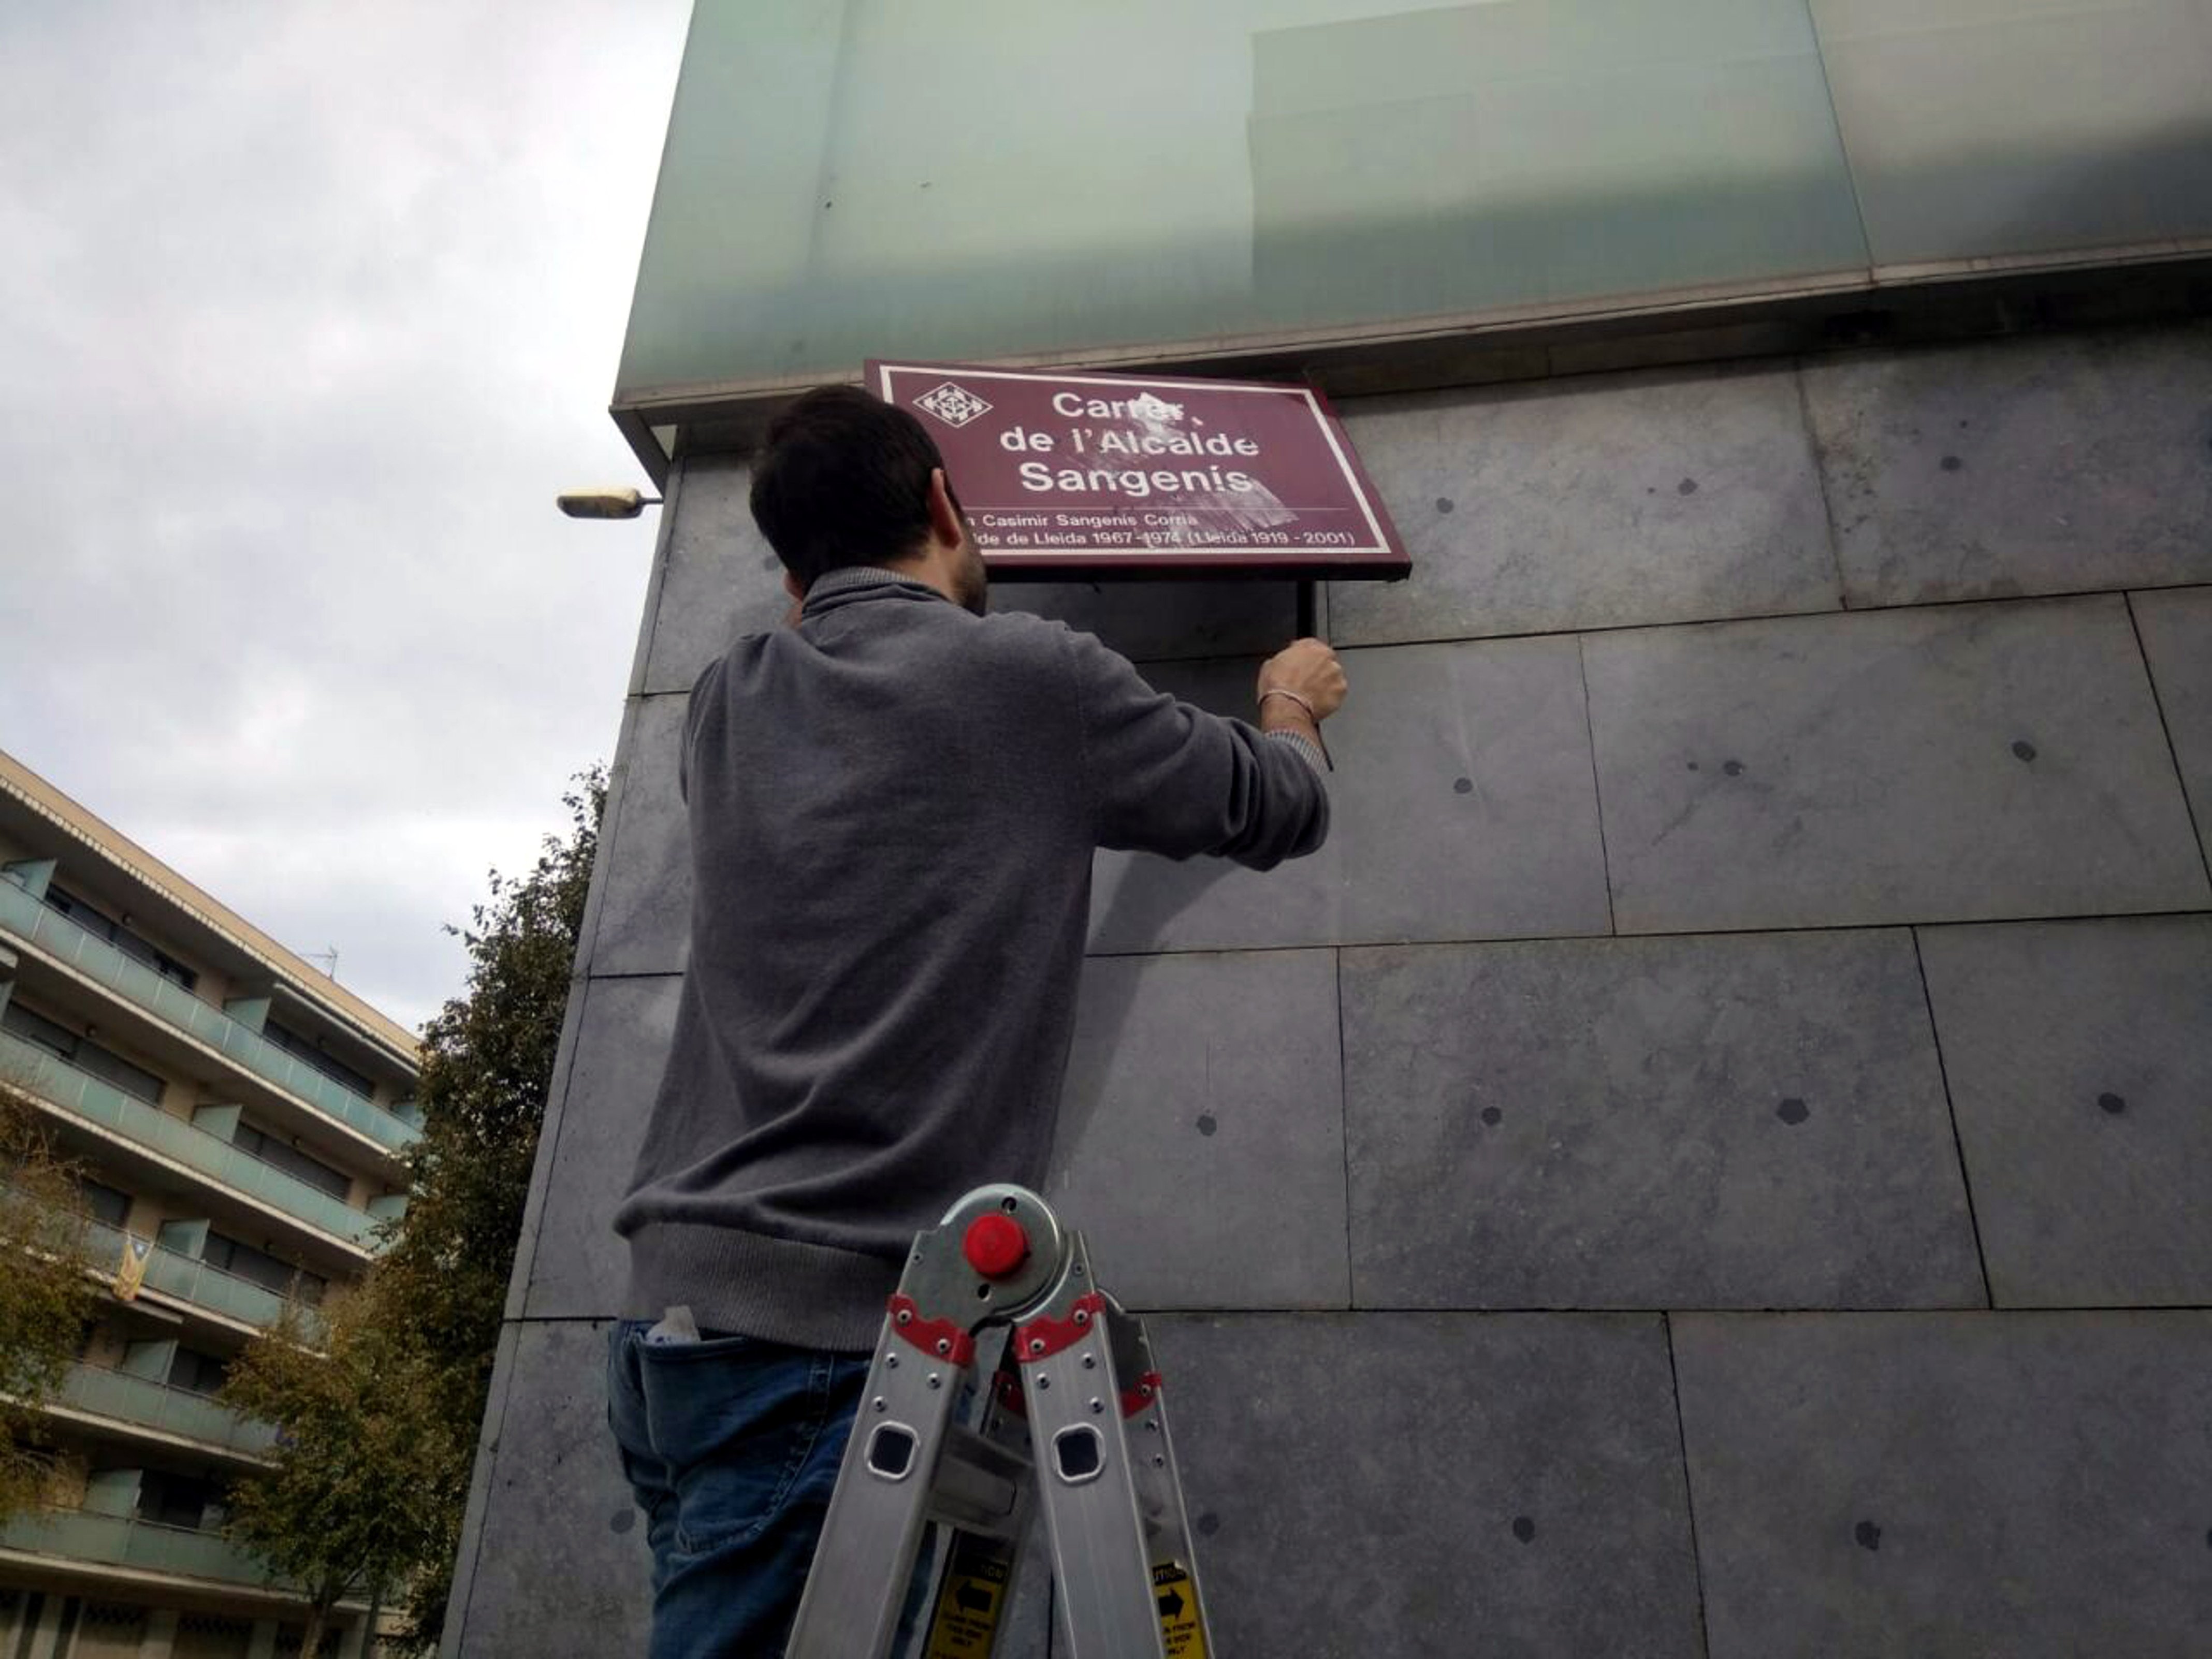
(721, 577)
(1461, 807)
(1505, 1484)
(2042, 465)
(2080, 1059)
(1162, 621)
(1958, 763)
(563, 1572)
(1201, 1134)
(2029, 1485)
(549, 1132)
(475, 1540)
(656, 583)
(1592, 503)
(2177, 638)
(1699, 1122)
(578, 1268)
(644, 920)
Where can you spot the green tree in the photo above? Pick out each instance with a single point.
(47, 1292)
(487, 1067)
(349, 1505)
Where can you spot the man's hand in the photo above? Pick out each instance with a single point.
(1311, 678)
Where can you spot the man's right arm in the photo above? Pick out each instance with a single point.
(1300, 687)
(1172, 779)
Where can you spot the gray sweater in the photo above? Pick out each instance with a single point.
(892, 810)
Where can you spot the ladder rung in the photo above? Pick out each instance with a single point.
(979, 1483)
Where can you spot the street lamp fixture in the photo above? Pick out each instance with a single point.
(605, 503)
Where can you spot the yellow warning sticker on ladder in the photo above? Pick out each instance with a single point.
(968, 1609)
(1180, 1629)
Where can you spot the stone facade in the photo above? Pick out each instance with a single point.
(1713, 1156)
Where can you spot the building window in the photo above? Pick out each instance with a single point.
(198, 1372)
(110, 1628)
(292, 1161)
(242, 1260)
(82, 1052)
(304, 1050)
(178, 1500)
(101, 925)
(103, 1202)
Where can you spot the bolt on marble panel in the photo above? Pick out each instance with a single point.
(1684, 1123)
(721, 577)
(1592, 503)
(2080, 1059)
(643, 924)
(1965, 763)
(560, 1566)
(1462, 806)
(2177, 637)
(2045, 464)
(578, 1268)
(2021, 1484)
(1509, 1484)
(1201, 1130)
(1165, 621)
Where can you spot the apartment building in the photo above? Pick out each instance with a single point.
(240, 1118)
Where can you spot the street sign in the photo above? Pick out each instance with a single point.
(1094, 475)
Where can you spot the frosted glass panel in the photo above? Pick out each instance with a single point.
(988, 177)
(1978, 128)
(1510, 154)
(995, 177)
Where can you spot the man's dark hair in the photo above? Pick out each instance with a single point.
(843, 479)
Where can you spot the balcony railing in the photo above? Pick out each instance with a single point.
(102, 963)
(200, 1283)
(125, 1541)
(122, 1398)
(84, 1095)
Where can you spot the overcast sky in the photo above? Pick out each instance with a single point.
(307, 311)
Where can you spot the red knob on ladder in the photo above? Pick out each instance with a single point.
(995, 1245)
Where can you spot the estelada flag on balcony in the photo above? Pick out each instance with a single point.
(131, 1272)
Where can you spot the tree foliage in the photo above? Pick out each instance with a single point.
(487, 1067)
(349, 1507)
(397, 1398)
(487, 1064)
(46, 1295)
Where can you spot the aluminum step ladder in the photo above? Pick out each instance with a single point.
(1004, 1376)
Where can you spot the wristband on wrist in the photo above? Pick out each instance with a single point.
(1281, 691)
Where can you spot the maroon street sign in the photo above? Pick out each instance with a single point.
(1093, 475)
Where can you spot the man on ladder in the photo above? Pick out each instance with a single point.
(893, 804)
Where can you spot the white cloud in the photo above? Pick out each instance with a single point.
(307, 311)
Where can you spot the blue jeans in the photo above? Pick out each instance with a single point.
(731, 1446)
